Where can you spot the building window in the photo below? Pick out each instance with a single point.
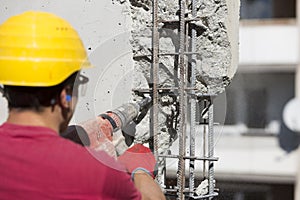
(231, 107)
(256, 107)
(267, 9)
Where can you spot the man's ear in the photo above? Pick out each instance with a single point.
(65, 99)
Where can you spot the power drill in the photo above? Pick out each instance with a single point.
(108, 123)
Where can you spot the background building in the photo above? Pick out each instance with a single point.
(258, 153)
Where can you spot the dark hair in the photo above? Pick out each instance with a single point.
(36, 97)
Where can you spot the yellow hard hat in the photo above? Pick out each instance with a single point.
(39, 49)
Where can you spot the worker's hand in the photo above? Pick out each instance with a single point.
(137, 159)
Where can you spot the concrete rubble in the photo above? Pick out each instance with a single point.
(216, 42)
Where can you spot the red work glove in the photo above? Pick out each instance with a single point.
(138, 158)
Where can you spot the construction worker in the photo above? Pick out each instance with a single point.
(41, 56)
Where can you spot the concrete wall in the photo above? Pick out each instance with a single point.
(103, 27)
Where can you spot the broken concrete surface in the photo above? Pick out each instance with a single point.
(216, 44)
(216, 41)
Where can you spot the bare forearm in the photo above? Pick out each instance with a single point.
(148, 187)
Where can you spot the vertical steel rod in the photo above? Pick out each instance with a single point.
(182, 102)
(211, 148)
(204, 139)
(192, 104)
(155, 65)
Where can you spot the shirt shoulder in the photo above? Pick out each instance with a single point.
(69, 168)
(107, 176)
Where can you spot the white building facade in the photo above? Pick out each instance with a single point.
(258, 153)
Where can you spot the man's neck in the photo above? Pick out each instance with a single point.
(32, 118)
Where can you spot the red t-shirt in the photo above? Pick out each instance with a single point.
(36, 163)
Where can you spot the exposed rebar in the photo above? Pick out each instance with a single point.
(204, 143)
(182, 103)
(155, 65)
(188, 95)
(211, 149)
(192, 104)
